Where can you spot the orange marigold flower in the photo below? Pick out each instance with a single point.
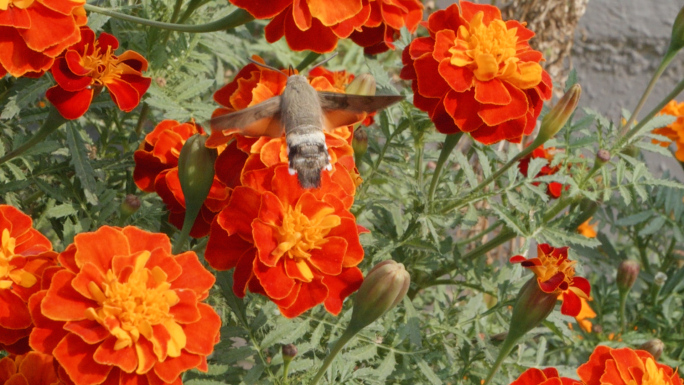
(25, 254)
(554, 189)
(156, 170)
(587, 229)
(608, 366)
(476, 73)
(124, 310)
(556, 274)
(387, 18)
(34, 32)
(298, 247)
(586, 313)
(32, 368)
(674, 131)
(88, 66)
(548, 376)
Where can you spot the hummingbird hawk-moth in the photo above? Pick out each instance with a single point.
(303, 114)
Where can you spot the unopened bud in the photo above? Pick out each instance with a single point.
(603, 155)
(558, 116)
(130, 205)
(196, 169)
(382, 289)
(627, 274)
(362, 85)
(531, 308)
(677, 39)
(289, 351)
(359, 143)
(660, 279)
(654, 346)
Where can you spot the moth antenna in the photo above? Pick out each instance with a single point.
(324, 61)
(290, 70)
(266, 66)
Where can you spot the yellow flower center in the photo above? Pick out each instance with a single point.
(299, 235)
(551, 265)
(652, 375)
(103, 66)
(10, 274)
(130, 307)
(490, 52)
(21, 4)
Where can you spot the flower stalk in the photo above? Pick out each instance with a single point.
(449, 144)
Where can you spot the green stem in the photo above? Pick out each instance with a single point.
(623, 305)
(661, 68)
(176, 11)
(381, 156)
(192, 6)
(144, 111)
(188, 222)
(52, 123)
(346, 337)
(506, 348)
(235, 19)
(310, 58)
(449, 145)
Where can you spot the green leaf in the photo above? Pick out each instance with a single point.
(426, 370)
(653, 226)
(81, 163)
(61, 211)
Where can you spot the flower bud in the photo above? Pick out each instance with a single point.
(289, 352)
(654, 346)
(531, 308)
(362, 85)
(384, 287)
(558, 116)
(677, 39)
(627, 274)
(130, 205)
(196, 170)
(359, 143)
(603, 155)
(660, 278)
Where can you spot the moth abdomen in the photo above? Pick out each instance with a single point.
(308, 155)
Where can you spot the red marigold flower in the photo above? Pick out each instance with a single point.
(556, 274)
(608, 366)
(34, 32)
(124, 310)
(554, 189)
(156, 170)
(25, 254)
(675, 131)
(387, 17)
(298, 247)
(32, 368)
(548, 376)
(89, 65)
(476, 73)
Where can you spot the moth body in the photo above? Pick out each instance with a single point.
(302, 119)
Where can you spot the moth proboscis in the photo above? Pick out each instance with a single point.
(303, 114)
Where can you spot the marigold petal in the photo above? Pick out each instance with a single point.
(317, 38)
(531, 376)
(77, 359)
(71, 105)
(66, 78)
(230, 175)
(430, 83)
(552, 284)
(17, 58)
(626, 360)
(331, 12)
(72, 66)
(310, 295)
(274, 280)
(328, 259)
(124, 95)
(511, 130)
(203, 334)
(571, 303)
(463, 108)
(244, 274)
(100, 247)
(468, 10)
(194, 276)
(124, 359)
(459, 79)
(88, 275)
(224, 251)
(262, 9)
(39, 39)
(171, 368)
(13, 311)
(493, 115)
(62, 302)
(46, 333)
(340, 287)
(15, 17)
(582, 284)
(492, 92)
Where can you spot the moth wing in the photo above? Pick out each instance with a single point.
(345, 109)
(262, 119)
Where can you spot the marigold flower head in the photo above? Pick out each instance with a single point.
(548, 376)
(298, 247)
(674, 131)
(316, 25)
(156, 170)
(476, 73)
(125, 310)
(25, 254)
(32, 368)
(88, 66)
(587, 229)
(608, 366)
(556, 274)
(34, 32)
(554, 189)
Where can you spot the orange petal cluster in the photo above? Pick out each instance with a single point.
(674, 131)
(556, 274)
(587, 229)
(32, 368)
(124, 310)
(25, 255)
(156, 170)
(317, 25)
(34, 32)
(88, 66)
(625, 366)
(548, 376)
(298, 247)
(554, 189)
(476, 73)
